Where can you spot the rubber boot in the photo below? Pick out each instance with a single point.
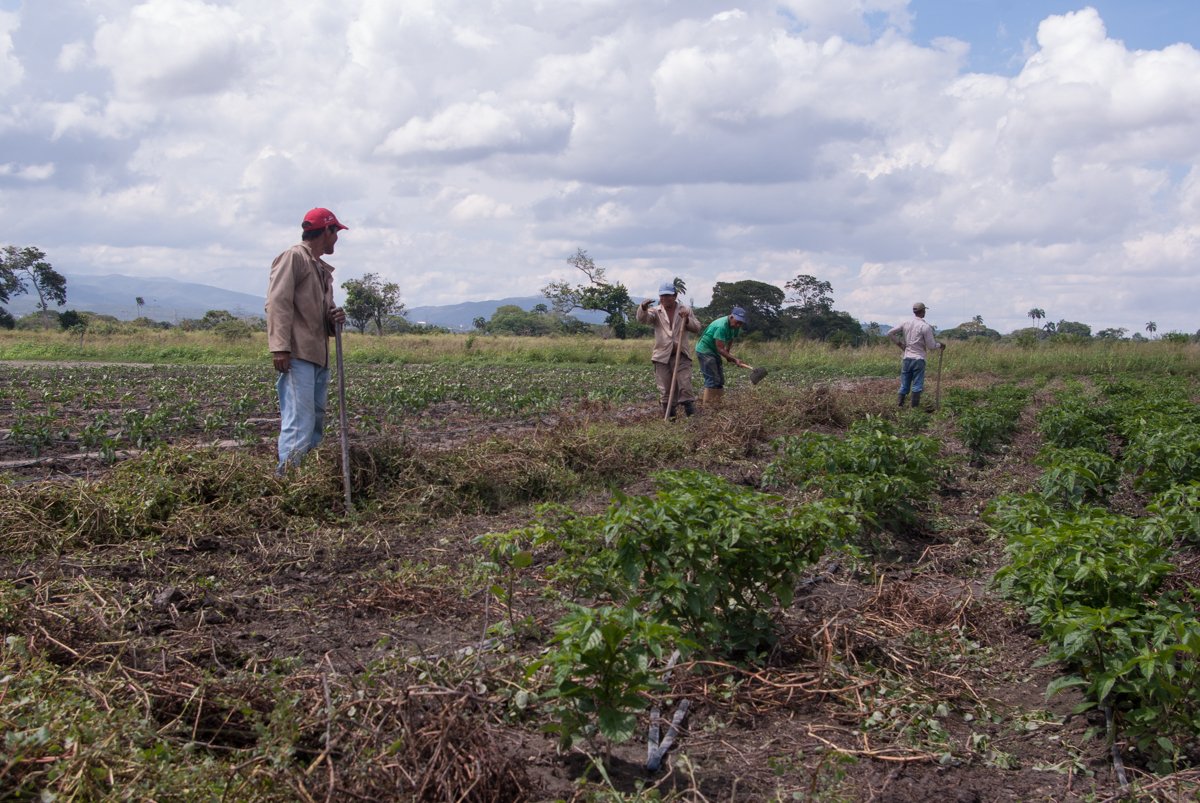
(712, 397)
(689, 408)
(916, 401)
(901, 402)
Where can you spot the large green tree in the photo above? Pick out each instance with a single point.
(969, 329)
(598, 294)
(510, 319)
(762, 302)
(812, 315)
(810, 294)
(22, 268)
(371, 300)
(1074, 328)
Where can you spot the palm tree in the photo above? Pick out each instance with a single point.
(1151, 327)
(1036, 314)
(680, 287)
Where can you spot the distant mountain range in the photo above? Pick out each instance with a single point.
(165, 299)
(462, 316)
(173, 301)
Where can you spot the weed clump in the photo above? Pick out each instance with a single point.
(169, 491)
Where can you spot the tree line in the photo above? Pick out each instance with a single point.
(802, 309)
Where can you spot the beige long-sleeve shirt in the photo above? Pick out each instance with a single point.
(665, 331)
(299, 300)
(917, 338)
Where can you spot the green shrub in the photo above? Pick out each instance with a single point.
(703, 554)
(1085, 557)
(1076, 476)
(600, 665)
(986, 421)
(1144, 662)
(1177, 511)
(1159, 458)
(1077, 423)
(884, 476)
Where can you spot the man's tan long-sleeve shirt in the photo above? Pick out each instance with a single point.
(299, 299)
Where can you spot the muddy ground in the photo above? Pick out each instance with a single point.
(902, 676)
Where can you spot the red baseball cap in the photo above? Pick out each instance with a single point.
(320, 218)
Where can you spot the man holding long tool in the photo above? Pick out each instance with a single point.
(713, 346)
(915, 338)
(301, 316)
(671, 356)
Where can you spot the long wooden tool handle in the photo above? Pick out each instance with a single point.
(937, 391)
(342, 417)
(674, 371)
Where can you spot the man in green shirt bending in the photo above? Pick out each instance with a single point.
(712, 346)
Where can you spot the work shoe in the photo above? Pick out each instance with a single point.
(689, 408)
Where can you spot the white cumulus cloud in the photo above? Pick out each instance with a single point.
(482, 128)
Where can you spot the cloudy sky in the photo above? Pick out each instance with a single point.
(985, 156)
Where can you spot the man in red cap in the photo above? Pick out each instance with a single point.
(301, 315)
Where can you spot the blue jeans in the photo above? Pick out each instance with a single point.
(303, 391)
(912, 375)
(711, 368)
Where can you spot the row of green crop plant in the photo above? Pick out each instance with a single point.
(699, 567)
(886, 477)
(1095, 581)
(110, 408)
(985, 420)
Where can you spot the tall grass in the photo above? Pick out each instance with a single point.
(1042, 359)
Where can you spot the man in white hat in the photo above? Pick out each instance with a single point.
(671, 357)
(915, 339)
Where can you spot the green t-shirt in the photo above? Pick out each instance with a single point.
(720, 329)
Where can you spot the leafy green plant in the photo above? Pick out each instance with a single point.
(508, 556)
(1086, 557)
(1159, 457)
(600, 671)
(1020, 514)
(1077, 475)
(1144, 662)
(884, 476)
(1177, 511)
(985, 421)
(713, 558)
(1075, 423)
